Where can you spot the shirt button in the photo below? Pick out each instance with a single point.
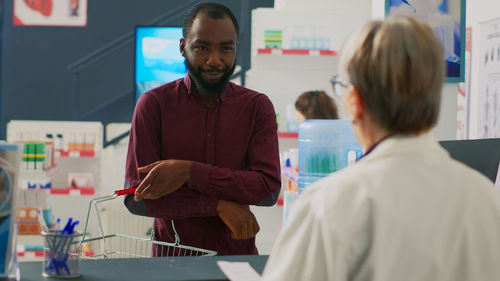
(209, 164)
(183, 211)
(209, 135)
(208, 207)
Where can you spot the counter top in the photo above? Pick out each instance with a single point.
(168, 268)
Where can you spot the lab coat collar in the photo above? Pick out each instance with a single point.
(399, 144)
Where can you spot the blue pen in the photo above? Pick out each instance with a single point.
(56, 225)
(66, 250)
(72, 228)
(60, 251)
(41, 221)
(69, 231)
(67, 226)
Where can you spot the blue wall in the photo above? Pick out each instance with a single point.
(35, 83)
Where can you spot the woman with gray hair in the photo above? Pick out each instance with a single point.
(405, 210)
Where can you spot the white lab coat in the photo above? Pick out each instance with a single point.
(406, 211)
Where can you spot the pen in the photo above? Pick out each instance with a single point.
(59, 252)
(41, 221)
(57, 224)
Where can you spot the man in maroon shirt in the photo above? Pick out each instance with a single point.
(201, 148)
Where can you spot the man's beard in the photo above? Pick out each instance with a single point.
(207, 87)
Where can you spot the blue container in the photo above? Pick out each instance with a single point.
(325, 146)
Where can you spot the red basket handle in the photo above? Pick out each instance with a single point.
(125, 191)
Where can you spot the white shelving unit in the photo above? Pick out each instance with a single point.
(81, 153)
(283, 74)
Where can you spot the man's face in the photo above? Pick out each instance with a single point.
(210, 52)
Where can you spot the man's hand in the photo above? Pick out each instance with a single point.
(241, 221)
(163, 177)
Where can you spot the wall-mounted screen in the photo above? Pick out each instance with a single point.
(157, 57)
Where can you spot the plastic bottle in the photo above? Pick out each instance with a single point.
(89, 141)
(58, 143)
(72, 142)
(325, 146)
(49, 151)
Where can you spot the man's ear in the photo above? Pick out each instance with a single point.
(182, 46)
(355, 103)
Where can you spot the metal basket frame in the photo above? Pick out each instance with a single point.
(141, 245)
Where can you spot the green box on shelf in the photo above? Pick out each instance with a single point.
(273, 38)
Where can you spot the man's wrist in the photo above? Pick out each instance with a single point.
(220, 205)
(189, 164)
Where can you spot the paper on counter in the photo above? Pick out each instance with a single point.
(497, 182)
(238, 271)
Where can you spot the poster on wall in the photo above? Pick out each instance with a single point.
(71, 13)
(463, 98)
(447, 18)
(489, 80)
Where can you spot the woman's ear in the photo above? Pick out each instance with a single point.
(355, 104)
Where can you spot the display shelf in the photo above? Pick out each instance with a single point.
(29, 247)
(73, 191)
(303, 52)
(292, 135)
(75, 154)
(290, 174)
(30, 254)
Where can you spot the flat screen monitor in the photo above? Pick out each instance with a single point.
(482, 155)
(157, 57)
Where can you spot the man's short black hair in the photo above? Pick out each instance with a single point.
(213, 10)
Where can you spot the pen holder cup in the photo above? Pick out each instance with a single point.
(61, 254)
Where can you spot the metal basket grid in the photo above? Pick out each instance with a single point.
(126, 246)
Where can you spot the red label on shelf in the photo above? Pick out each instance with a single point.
(30, 254)
(75, 153)
(288, 135)
(73, 191)
(304, 52)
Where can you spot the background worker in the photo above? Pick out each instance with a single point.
(315, 105)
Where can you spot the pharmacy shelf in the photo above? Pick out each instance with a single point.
(30, 254)
(303, 52)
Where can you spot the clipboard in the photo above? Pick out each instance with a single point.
(10, 158)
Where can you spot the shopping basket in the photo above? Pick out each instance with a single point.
(124, 246)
